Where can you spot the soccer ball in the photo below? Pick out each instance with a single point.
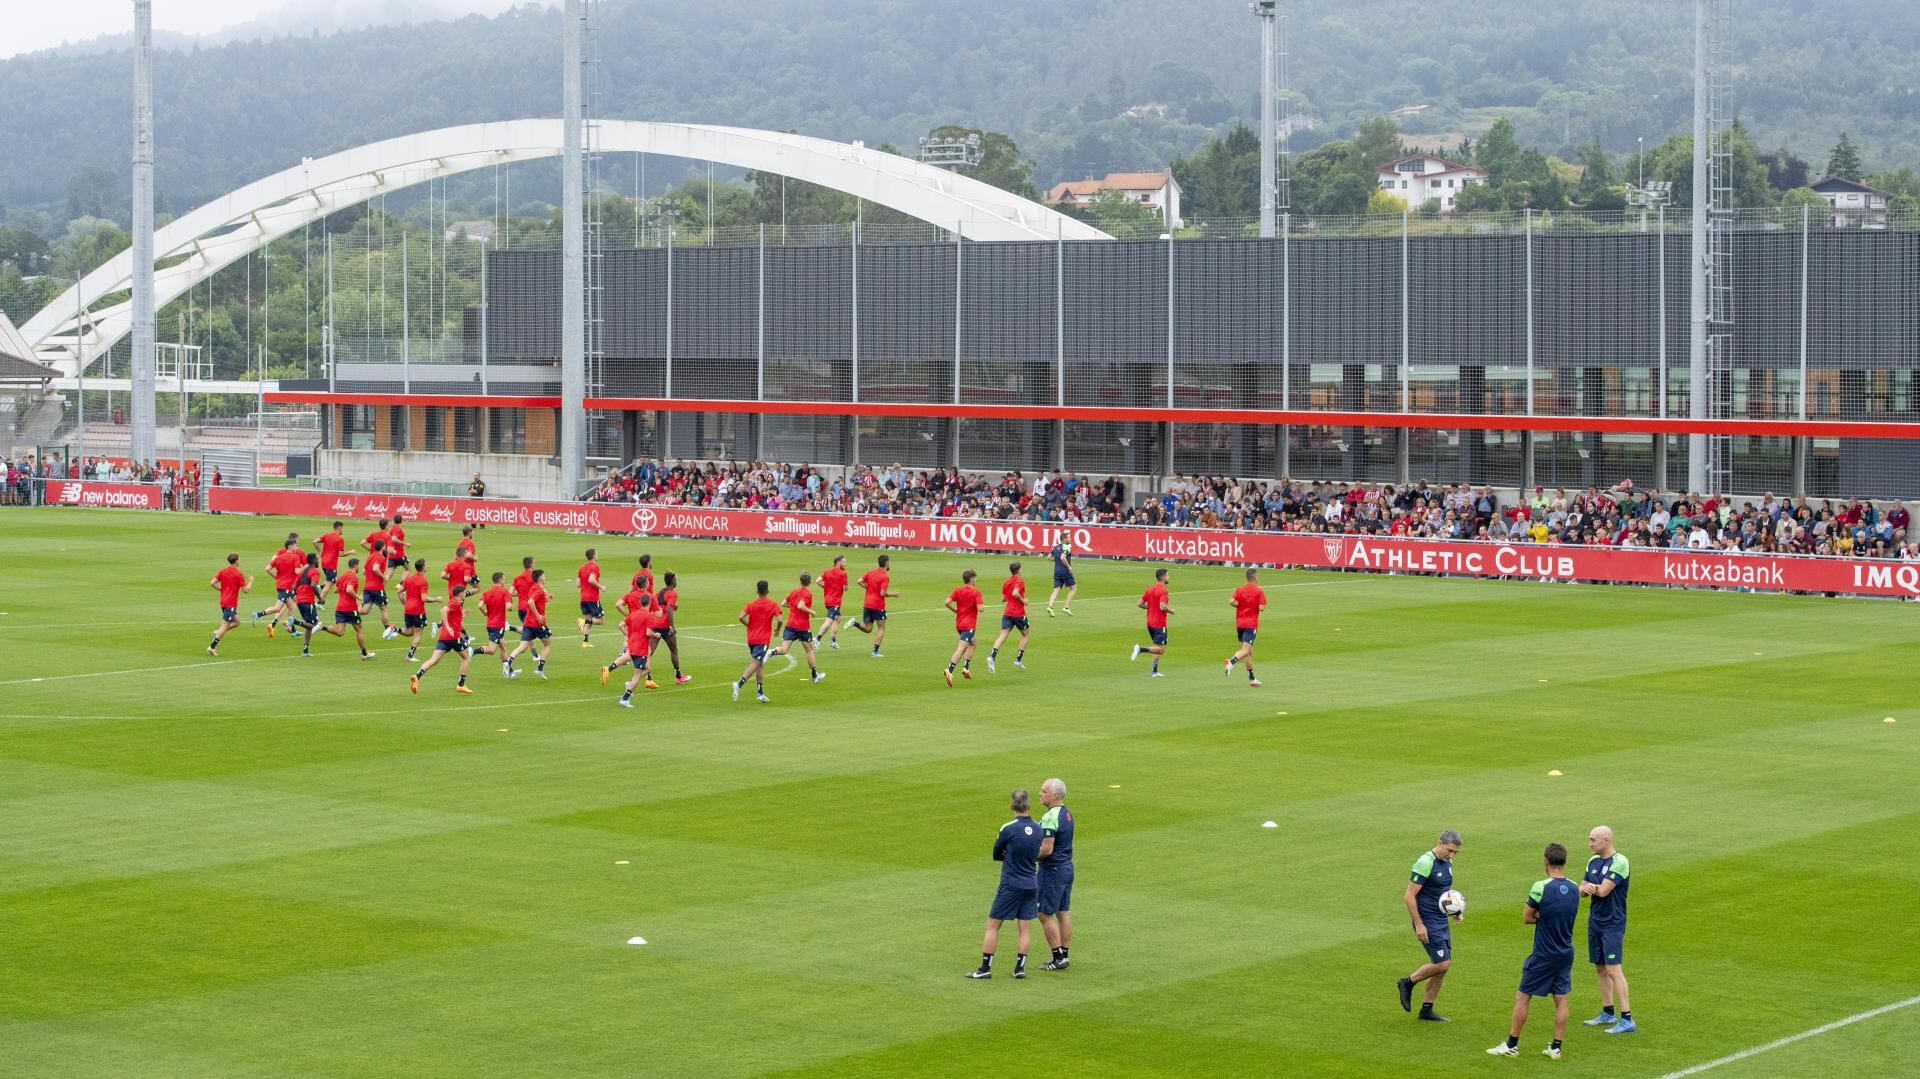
(1453, 903)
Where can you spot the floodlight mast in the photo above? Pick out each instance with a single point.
(952, 153)
(1268, 16)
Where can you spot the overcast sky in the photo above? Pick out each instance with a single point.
(29, 25)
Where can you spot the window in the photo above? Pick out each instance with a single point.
(508, 430)
(1415, 165)
(356, 427)
(1403, 185)
(436, 430)
(1449, 183)
(466, 430)
(1436, 183)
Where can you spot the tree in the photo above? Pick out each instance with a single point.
(25, 251)
(1597, 189)
(1817, 209)
(1000, 162)
(1785, 169)
(1382, 202)
(1479, 198)
(1844, 160)
(1376, 143)
(1222, 179)
(89, 242)
(1498, 152)
(1346, 193)
(1114, 213)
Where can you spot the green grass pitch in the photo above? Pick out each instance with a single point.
(264, 865)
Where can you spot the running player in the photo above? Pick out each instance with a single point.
(465, 546)
(1017, 849)
(1551, 908)
(760, 616)
(1248, 601)
(964, 602)
(533, 628)
(285, 566)
(330, 545)
(1432, 878)
(800, 626)
(309, 588)
(1606, 881)
(493, 604)
(451, 638)
(643, 577)
(833, 588)
(1013, 593)
(523, 589)
(873, 617)
(413, 605)
(459, 571)
(376, 588)
(346, 607)
(379, 535)
(1158, 605)
(640, 624)
(1062, 556)
(591, 612)
(229, 582)
(396, 540)
(623, 607)
(668, 603)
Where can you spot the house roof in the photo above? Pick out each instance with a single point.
(1842, 183)
(1114, 181)
(1451, 166)
(1074, 187)
(19, 369)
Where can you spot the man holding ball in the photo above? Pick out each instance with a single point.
(1432, 878)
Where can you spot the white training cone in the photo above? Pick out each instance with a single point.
(1555, 772)
(1270, 824)
(636, 940)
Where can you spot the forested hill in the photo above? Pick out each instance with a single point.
(1083, 87)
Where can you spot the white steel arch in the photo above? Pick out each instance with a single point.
(226, 229)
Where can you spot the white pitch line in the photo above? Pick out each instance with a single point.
(118, 622)
(150, 670)
(1791, 1038)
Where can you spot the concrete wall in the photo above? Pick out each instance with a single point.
(507, 475)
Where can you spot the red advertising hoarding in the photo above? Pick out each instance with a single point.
(127, 496)
(1868, 577)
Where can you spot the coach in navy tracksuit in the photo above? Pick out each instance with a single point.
(1017, 849)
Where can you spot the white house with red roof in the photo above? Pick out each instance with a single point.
(1419, 177)
(1154, 190)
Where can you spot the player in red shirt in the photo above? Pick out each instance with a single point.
(833, 587)
(800, 626)
(523, 588)
(964, 602)
(465, 547)
(413, 605)
(668, 603)
(229, 582)
(1248, 601)
(873, 616)
(330, 545)
(309, 588)
(346, 608)
(379, 535)
(285, 566)
(1158, 605)
(760, 616)
(451, 638)
(375, 594)
(591, 612)
(396, 540)
(643, 577)
(1013, 593)
(533, 628)
(459, 571)
(641, 623)
(493, 604)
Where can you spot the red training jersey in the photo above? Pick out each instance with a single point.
(494, 602)
(453, 620)
(875, 582)
(523, 588)
(415, 588)
(286, 566)
(537, 607)
(631, 601)
(231, 581)
(466, 549)
(458, 573)
(833, 584)
(396, 542)
(376, 570)
(590, 583)
(639, 623)
(307, 585)
(643, 581)
(1155, 599)
(331, 544)
(797, 617)
(347, 598)
(760, 614)
(1247, 600)
(966, 601)
(668, 601)
(376, 534)
(1014, 594)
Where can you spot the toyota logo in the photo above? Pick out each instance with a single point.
(643, 520)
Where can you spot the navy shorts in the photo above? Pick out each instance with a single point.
(309, 615)
(791, 634)
(346, 618)
(1247, 635)
(1157, 634)
(330, 574)
(1439, 945)
(283, 594)
(523, 615)
(1056, 890)
(664, 633)
(373, 597)
(757, 651)
(535, 633)
(966, 636)
(639, 662)
(833, 610)
(873, 614)
(591, 610)
(1015, 904)
(496, 634)
(1606, 947)
(1063, 579)
(1008, 621)
(450, 646)
(229, 614)
(1543, 977)
(416, 621)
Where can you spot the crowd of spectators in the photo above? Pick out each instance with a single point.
(1620, 516)
(25, 477)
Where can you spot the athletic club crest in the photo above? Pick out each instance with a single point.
(1334, 546)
